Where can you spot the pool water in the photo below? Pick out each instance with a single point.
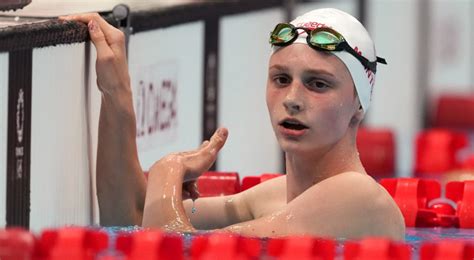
(415, 237)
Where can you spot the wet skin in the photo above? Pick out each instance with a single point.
(326, 191)
(316, 89)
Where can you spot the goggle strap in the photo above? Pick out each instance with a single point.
(381, 60)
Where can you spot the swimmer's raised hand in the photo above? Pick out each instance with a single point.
(121, 185)
(164, 195)
(111, 64)
(209, 148)
(193, 163)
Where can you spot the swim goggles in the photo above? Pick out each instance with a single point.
(322, 39)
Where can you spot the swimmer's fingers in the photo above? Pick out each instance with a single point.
(193, 152)
(83, 18)
(201, 149)
(107, 28)
(207, 153)
(202, 159)
(190, 190)
(197, 161)
(204, 144)
(98, 39)
(111, 64)
(102, 33)
(215, 144)
(194, 191)
(185, 194)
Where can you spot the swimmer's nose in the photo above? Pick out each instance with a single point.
(293, 107)
(293, 102)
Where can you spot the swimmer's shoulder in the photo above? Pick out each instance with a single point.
(369, 207)
(266, 197)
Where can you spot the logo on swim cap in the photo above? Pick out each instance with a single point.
(312, 25)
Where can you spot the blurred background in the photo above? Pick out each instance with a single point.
(198, 65)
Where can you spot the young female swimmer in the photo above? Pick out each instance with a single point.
(316, 98)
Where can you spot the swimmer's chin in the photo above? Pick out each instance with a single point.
(293, 147)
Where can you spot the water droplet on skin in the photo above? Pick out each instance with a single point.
(274, 216)
(193, 209)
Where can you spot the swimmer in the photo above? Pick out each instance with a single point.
(318, 91)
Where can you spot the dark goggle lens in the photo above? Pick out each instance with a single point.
(325, 39)
(283, 33)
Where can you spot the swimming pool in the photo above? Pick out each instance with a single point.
(420, 196)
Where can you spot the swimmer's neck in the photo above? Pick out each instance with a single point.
(306, 171)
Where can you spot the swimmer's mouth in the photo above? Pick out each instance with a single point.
(293, 124)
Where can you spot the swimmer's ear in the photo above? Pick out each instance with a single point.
(358, 116)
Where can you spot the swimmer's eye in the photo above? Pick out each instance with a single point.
(282, 80)
(317, 85)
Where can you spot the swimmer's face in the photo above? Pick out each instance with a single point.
(311, 99)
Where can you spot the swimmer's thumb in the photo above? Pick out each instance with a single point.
(207, 153)
(218, 140)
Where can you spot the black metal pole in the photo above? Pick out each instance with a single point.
(19, 138)
(423, 95)
(362, 12)
(211, 88)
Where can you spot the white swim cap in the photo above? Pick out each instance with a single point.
(355, 35)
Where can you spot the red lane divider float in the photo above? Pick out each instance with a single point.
(412, 196)
(225, 246)
(377, 151)
(376, 248)
(72, 243)
(301, 248)
(218, 184)
(447, 249)
(453, 111)
(214, 183)
(463, 194)
(150, 245)
(16, 243)
(83, 243)
(436, 151)
(468, 163)
(250, 181)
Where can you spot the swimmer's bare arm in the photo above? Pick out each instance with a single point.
(349, 205)
(223, 211)
(120, 181)
(163, 207)
(217, 212)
